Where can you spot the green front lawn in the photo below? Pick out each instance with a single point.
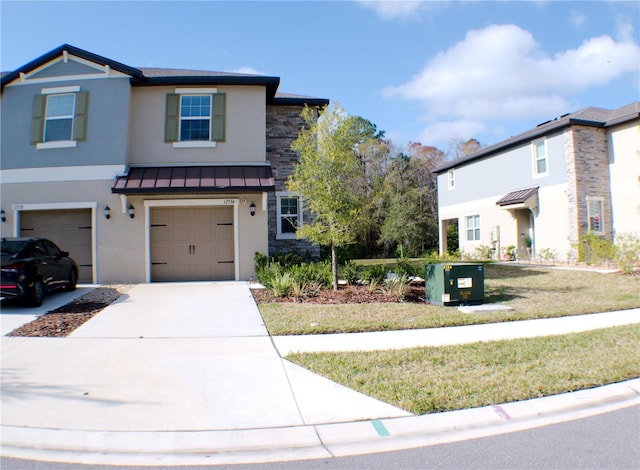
(532, 292)
(427, 380)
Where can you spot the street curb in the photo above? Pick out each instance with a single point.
(310, 441)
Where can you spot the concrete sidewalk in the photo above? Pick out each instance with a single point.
(187, 374)
(454, 335)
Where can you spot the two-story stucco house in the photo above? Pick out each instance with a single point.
(547, 186)
(149, 174)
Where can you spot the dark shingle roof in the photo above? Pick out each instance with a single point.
(596, 117)
(154, 76)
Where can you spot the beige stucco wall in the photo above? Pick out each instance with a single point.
(624, 155)
(120, 251)
(551, 227)
(245, 139)
(552, 222)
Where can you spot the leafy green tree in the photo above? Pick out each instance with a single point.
(411, 200)
(329, 178)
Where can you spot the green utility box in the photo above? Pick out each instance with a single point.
(454, 283)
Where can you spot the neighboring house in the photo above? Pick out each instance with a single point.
(574, 174)
(149, 174)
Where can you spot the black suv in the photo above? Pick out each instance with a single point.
(33, 266)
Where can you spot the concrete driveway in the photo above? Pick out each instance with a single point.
(170, 357)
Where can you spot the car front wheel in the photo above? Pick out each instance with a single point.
(72, 281)
(36, 293)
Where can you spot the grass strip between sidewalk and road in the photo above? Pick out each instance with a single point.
(531, 291)
(428, 380)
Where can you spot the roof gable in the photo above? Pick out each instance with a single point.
(64, 54)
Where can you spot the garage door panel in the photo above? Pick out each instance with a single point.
(69, 229)
(190, 244)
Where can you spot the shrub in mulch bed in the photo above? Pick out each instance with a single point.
(344, 295)
(64, 320)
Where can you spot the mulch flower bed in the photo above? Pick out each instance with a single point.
(64, 320)
(344, 295)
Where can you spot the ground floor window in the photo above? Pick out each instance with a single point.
(289, 217)
(594, 215)
(473, 227)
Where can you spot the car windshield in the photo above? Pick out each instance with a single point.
(12, 248)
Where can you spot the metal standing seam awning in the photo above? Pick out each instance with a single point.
(195, 180)
(520, 199)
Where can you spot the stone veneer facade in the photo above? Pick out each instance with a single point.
(587, 159)
(283, 124)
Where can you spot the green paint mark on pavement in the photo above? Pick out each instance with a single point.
(380, 429)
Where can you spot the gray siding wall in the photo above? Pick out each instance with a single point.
(65, 70)
(106, 133)
(283, 125)
(504, 172)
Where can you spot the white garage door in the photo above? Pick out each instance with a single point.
(69, 229)
(192, 244)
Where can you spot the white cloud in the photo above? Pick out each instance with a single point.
(577, 19)
(501, 72)
(391, 9)
(443, 131)
(625, 28)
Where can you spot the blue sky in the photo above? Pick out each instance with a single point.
(421, 71)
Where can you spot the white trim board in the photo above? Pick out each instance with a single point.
(61, 173)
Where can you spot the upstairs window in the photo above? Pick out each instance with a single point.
(540, 158)
(58, 123)
(594, 215)
(59, 117)
(452, 179)
(473, 227)
(289, 215)
(195, 118)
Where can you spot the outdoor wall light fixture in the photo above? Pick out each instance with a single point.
(3, 216)
(107, 212)
(131, 211)
(252, 209)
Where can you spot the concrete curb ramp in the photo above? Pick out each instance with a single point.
(313, 441)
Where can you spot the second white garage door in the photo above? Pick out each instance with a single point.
(192, 244)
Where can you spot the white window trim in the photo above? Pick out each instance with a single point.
(195, 143)
(279, 234)
(56, 144)
(534, 157)
(195, 91)
(451, 179)
(601, 201)
(467, 228)
(60, 90)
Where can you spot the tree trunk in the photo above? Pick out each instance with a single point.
(334, 266)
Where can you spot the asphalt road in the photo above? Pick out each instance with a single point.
(610, 440)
